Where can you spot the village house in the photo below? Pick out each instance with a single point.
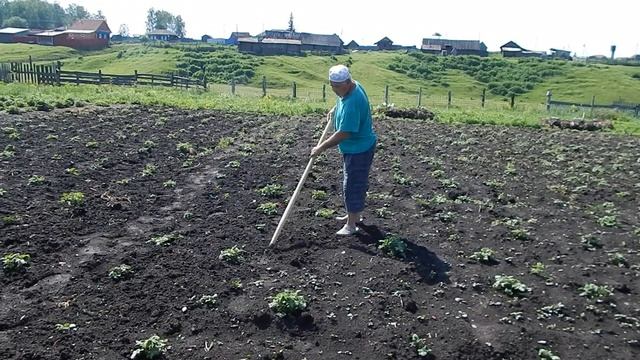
(511, 49)
(285, 42)
(82, 34)
(162, 35)
(438, 46)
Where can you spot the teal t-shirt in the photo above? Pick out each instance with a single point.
(353, 114)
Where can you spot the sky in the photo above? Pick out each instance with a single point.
(583, 27)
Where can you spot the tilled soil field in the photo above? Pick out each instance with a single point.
(519, 243)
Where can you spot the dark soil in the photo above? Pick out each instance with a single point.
(530, 195)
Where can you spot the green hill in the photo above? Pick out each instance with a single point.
(403, 73)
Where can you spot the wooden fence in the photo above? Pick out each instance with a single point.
(52, 74)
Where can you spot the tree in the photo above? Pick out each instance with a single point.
(123, 30)
(179, 27)
(76, 12)
(613, 51)
(150, 24)
(291, 27)
(16, 22)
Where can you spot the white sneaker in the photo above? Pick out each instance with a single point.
(345, 217)
(348, 230)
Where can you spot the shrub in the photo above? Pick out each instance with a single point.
(232, 255)
(485, 255)
(150, 348)
(593, 291)
(288, 302)
(393, 245)
(510, 285)
(271, 191)
(269, 208)
(72, 199)
(15, 261)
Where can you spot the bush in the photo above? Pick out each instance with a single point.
(288, 302)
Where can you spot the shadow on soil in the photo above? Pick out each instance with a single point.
(432, 270)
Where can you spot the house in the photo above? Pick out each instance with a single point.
(322, 43)
(511, 49)
(162, 35)
(211, 40)
(385, 44)
(352, 45)
(51, 38)
(233, 38)
(87, 34)
(269, 46)
(438, 46)
(561, 54)
(8, 35)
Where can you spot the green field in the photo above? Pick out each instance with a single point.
(577, 83)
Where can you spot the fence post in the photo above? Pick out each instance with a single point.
(593, 103)
(294, 90)
(484, 96)
(204, 77)
(637, 110)
(264, 85)
(31, 69)
(449, 99)
(548, 100)
(77, 79)
(135, 74)
(420, 97)
(99, 77)
(233, 86)
(172, 79)
(324, 92)
(513, 100)
(58, 67)
(386, 95)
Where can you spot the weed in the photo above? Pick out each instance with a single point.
(520, 233)
(164, 240)
(15, 261)
(485, 255)
(235, 284)
(209, 301)
(393, 245)
(185, 148)
(9, 219)
(593, 291)
(36, 180)
(8, 152)
(607, 221)
(3, 192)
(537, 269)
(618, 260)
(65, 327)
(149, 348)
(288, 302)
(325, 213)
(552, 310)
(271, 191)
(319, 195)
(232, 255)
(121, 272)
(149, 170)
(72, 199)
(268, 208)
(510, 285)
(169, 184)
(224, 142)
(449, 183)
(420, 344)
(510, 169)
(383, 212)
(234, 164)
(72, 171)
(494, 184)
(544, 354)
(590, 242)
(52, 137)
(438, 173)
(91, 145)
(124, 181)
(402, 179)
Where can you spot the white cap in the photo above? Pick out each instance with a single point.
(339, 73)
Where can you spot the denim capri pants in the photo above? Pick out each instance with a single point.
(356, 179)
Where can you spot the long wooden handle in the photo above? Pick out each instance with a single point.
(296, 193)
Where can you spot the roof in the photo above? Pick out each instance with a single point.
(458, 44)
(79, 31)
(319, 39)
(239, 34)
(281, 41)
(90, 24)
(384, 39)
(11, 30)
(352, 43)
(50, 33)
(560, 50)
(511, 46)
(162, 32)
(248, 40)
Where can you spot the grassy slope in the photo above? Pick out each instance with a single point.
(607, 83)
